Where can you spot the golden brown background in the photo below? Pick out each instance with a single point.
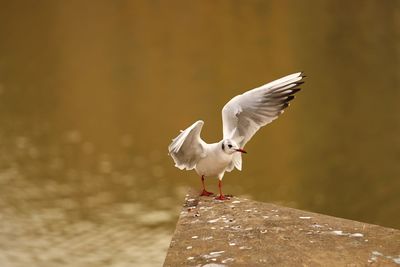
(91, 93)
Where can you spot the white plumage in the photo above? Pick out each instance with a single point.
(242, 117)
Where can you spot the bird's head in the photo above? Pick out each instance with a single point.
(229, 146)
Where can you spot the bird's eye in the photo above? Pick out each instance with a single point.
(230, 146)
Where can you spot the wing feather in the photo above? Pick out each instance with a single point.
(235, 163)
(245, 114)
(187, 148)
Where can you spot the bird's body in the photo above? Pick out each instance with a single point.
(242, 117)
(215, 161)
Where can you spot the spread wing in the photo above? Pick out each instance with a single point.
(245, 114)
(187, 148)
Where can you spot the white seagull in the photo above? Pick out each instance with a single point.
(242, 117)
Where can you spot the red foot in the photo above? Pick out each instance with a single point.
(206, 193)
(222, 197)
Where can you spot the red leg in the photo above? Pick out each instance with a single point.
(205, 192)
(221, 195)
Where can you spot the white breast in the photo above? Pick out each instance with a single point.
(214, 163)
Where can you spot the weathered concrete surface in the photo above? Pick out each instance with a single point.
(241, 232)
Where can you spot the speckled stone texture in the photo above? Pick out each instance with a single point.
(242, 232)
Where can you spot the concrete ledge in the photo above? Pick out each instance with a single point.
(241, 232)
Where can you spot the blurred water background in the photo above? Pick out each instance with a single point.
(91, 93)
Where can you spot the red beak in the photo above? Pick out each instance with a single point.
(241, 150)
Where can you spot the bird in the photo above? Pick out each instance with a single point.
(242, 117)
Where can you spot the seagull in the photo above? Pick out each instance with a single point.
(242, 117)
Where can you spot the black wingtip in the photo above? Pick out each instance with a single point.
(284, 106)
(299, 83)
(295, 90)
(289, 98)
